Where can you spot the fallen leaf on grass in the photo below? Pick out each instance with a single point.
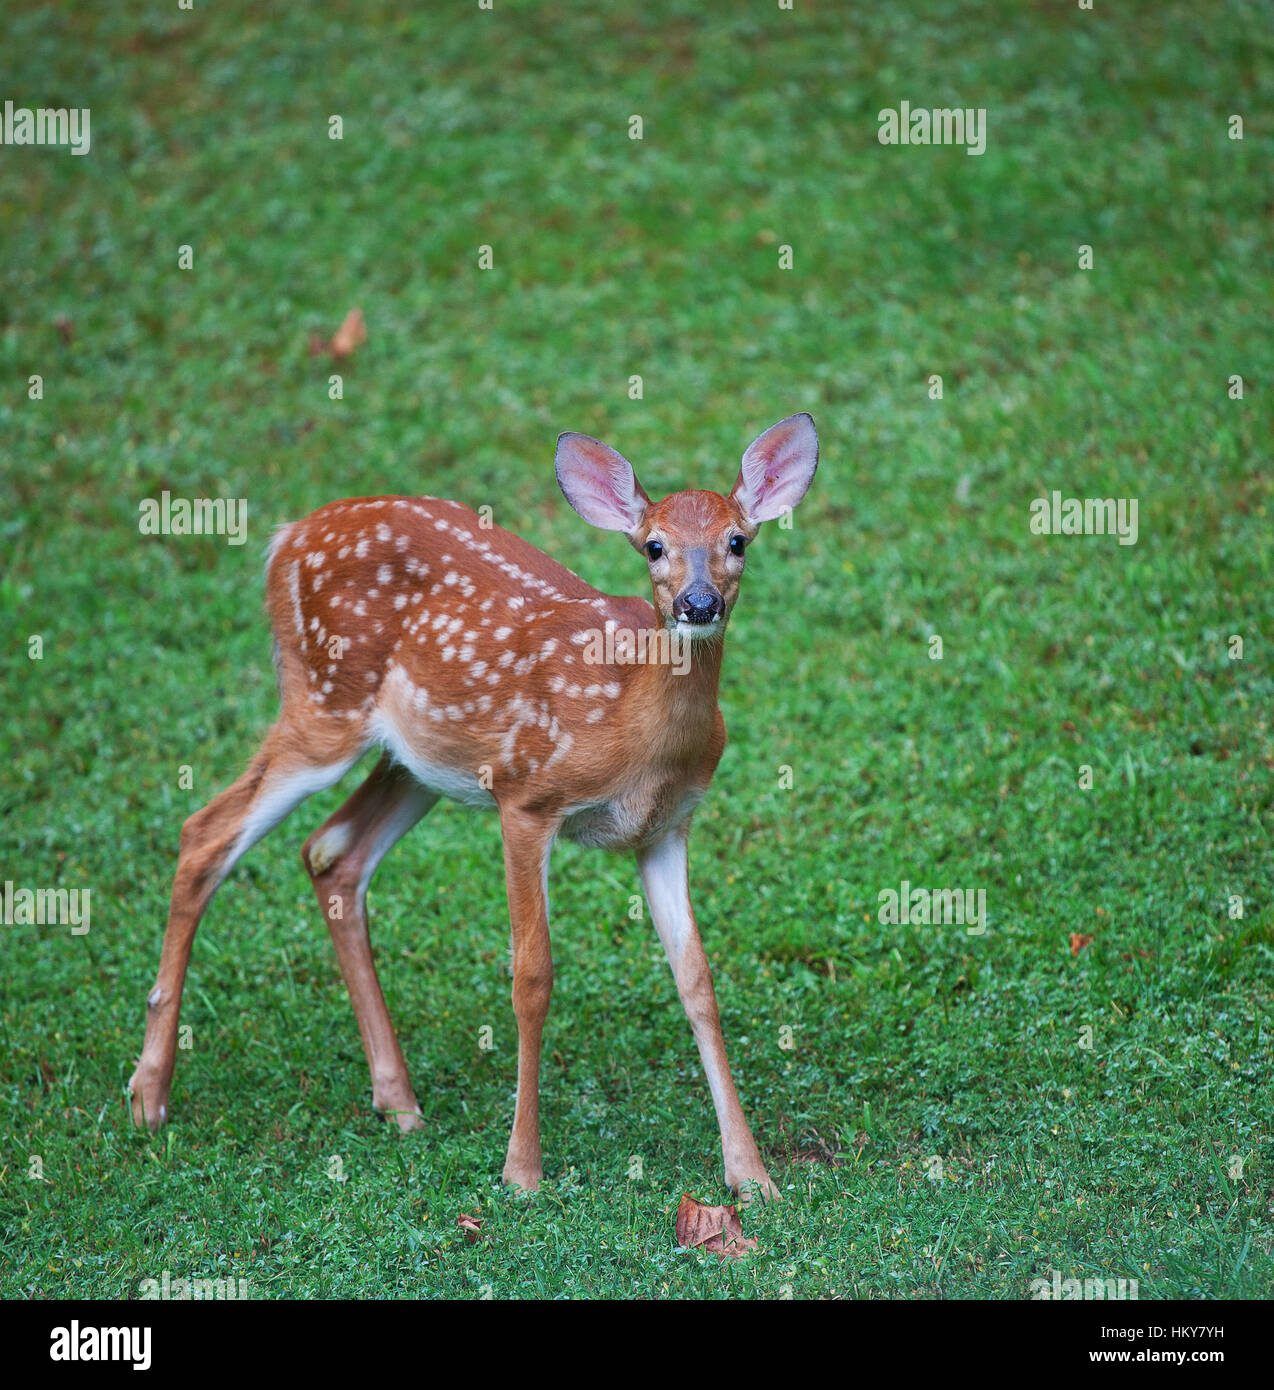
(1079, 940)
(471, 1226)
(714, 1229)
(346, 338)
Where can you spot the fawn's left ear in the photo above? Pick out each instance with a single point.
(777, 469)
(599, 483)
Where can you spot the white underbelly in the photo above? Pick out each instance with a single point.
(456, 784)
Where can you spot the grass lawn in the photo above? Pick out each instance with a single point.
(956, 1115)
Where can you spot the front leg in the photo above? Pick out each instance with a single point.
(527, 842)
(664, 875)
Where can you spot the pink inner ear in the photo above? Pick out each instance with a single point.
(599, 483)
(778, 468)
(608, 485)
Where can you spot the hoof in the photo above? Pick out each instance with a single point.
(747, 1187)
(148, 1100)
(522, 1179)
(406, 1120)
(394, 1101)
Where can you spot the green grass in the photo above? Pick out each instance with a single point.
(660, 258)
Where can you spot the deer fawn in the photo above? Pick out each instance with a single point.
(463, 653)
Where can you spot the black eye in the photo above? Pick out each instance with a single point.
(737, 544)
(654, 549)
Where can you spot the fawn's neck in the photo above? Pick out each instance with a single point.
(678, 699)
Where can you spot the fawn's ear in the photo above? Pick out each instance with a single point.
(777, 469)
(599, 483)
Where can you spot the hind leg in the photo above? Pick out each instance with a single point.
(286, 769)
(341, 857)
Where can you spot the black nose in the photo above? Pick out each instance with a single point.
(698, 605)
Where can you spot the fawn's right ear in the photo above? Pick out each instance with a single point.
(600, 484)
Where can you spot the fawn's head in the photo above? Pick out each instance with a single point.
(694, 542)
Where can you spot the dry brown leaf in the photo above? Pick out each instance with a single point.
(1079, 940)
(714, 1229)
(471, 1226)
(346, 338)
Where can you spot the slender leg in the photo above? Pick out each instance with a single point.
(341, 857)
(665, 877)
(284, 772)
(527, 842)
